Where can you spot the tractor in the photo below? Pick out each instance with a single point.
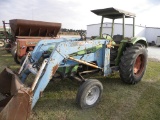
(2, 37)
(73, 58)
(3, 33)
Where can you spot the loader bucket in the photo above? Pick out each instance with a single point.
(15, 98)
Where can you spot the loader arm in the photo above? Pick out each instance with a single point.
(61, 52)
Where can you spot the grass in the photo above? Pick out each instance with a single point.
(119, 101)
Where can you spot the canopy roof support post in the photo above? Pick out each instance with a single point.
(101, 28)
(133, 26)
(123, 25)
(112, 32)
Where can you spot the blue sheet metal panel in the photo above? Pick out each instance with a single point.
(107, 69)
(44, 45)
(66, 48)
(72, 39)
(99, 57)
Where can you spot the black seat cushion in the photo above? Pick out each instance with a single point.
(117, 38)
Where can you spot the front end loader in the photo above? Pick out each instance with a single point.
(15, 98)
(72, 58)
(51, 57)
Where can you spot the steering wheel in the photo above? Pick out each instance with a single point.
(105, 35)
(83, 36)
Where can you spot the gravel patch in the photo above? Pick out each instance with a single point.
(153, 59)
(154, 52)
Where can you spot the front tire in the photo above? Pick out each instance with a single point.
(22, 60)
(89, 93)
(14, 54)
(13, 50)
(8, 48)
(133, 64)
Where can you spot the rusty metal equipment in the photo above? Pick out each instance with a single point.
(70, 58)
(27, 33)
(15, 104)
(34, 28)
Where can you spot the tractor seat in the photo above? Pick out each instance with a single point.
(117, 38)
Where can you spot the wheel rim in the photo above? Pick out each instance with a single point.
(92, 95)
(1, 43)
(139, 65)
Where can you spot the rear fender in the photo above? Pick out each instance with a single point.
(141, 40)
(127, 42)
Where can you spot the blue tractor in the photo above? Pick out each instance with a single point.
(72, 58)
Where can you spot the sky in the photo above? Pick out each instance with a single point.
(76, 14)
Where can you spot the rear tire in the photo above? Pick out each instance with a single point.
(133, 64)
(2, 43)
(89, 93)
(113, 55)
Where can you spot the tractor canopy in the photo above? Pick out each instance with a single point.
(113, 13)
